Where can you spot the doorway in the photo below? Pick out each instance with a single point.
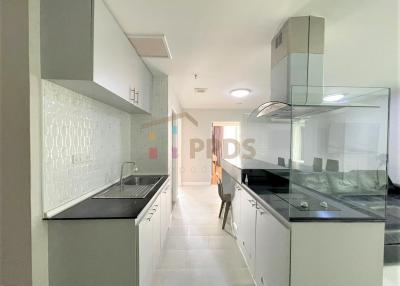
(224, 136)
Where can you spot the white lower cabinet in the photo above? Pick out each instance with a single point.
(272, 263)
(236, 211)
(248, 229)
(166, 209)
(283, 253)
(145, 251)
(152, 234)
(263, 240)
(156, 221)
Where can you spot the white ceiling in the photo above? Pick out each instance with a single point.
(225, 42)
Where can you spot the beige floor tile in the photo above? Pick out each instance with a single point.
(173, 259)
(197, 251)
(221, 242)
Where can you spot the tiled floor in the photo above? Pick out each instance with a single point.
(197, 251)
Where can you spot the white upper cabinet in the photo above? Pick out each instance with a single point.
(84, 49)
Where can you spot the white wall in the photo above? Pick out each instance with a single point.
(198, 169)
(362, 49)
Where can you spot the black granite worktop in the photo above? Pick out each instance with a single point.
(288, 205)
(108, 208)
(269, 183)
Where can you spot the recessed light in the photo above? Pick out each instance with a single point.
(242, 92)
(333, 97)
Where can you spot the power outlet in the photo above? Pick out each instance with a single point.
(82, 158)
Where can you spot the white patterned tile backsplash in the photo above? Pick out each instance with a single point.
(84, 143)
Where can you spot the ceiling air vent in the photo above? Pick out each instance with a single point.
(200, 90)
(155, 46)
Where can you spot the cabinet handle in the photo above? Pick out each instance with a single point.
(261, 211)
(137, 98)
(149, 218)
(132, 94)
(252, 202)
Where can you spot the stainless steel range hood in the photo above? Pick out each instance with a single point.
(297, 52)
(297, 75)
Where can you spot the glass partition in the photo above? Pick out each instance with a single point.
(326, 151)
(339, 139)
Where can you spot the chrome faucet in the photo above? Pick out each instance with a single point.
(121, 180)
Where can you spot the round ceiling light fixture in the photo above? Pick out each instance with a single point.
(241, 92)
(333, 97)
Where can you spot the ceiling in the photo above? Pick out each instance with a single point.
(224, 42)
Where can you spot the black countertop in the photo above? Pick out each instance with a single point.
(270, 183)
(108, 208)
(288, 206)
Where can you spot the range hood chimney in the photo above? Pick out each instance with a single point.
(297, 52)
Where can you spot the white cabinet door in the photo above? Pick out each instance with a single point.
(85, 49)
(145, 251)
(169, 203)
(143, 83)
(251, 238)
(116, 65)
(166, 210)
(272, 251)
(113, 62)
(164, 216)
(248, 229)
(236, 211)
(156, 221)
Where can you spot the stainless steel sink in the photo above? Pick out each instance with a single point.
(142, 180)
(134, 187)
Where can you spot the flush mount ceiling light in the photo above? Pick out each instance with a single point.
(333, 97)
(242, 92)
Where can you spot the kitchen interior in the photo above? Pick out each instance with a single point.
(222, 143)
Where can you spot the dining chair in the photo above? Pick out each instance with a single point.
(226, 200)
